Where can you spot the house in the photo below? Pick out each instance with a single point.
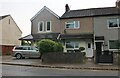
(77, 31)
(9, 34)
(95, 29)
(44, 25)
(107, 30)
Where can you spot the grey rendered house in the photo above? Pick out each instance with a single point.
(107, 30)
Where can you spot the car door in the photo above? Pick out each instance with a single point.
(25, 51)
(34, 52)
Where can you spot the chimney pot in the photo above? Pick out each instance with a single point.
(118, 3)
(67, 8)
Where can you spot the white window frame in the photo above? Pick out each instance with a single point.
(109, 45)
(73, 47)
(39, 26)
(69, 22)
(50, 26)
(118, 22)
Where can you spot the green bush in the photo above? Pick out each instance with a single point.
(47, 45)
(81, 49)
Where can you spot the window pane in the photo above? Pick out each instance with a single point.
(112, 23)
(77, 24)
(89, 45)
(69, 45)
(48, 26)
(70, 24)
(72, 45)
(113, 44)
(76, 45)
(41, 26)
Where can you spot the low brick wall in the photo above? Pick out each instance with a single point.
(57, 57)
(116, 58)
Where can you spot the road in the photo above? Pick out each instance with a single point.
(9, 70)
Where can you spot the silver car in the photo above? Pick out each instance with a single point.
(25, 51)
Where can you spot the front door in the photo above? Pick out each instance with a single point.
(98, 51)
(89, 50)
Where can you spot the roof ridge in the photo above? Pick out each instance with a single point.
(93, 8)
(2, 17)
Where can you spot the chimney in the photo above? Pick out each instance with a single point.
(118, 4)
(67, 8)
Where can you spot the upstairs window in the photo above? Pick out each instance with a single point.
(72, 25)
(113, 23)
(48, 26)
(41, 26)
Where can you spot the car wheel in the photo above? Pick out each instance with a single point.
(18, 56)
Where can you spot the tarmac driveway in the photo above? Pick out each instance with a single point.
(10, 59)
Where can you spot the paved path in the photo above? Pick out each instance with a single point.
(89, 65)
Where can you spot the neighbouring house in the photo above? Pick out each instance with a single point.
(95, 29)
(77, 31)
(9, 34)
(107, 31)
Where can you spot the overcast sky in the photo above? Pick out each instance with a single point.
(23, 10)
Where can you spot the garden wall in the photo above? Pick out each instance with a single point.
(116, 58)
(60, 57)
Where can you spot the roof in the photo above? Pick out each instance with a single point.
(91, 12)
(44, 8)
(40, 36)
(2, 17)
(45, 36)
(76, 36)
(28, 37)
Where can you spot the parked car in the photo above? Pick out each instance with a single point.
(25, 51)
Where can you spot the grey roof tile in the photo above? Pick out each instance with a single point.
(91, 12)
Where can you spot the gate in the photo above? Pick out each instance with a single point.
(103, 56)
(106, 57)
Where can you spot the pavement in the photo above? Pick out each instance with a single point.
(88, 65)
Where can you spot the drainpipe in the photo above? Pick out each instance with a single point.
(58, 37)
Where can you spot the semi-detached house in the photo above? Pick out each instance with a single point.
(95, 29)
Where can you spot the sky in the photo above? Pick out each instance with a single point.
(23, 10)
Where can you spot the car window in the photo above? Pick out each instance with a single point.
(30, 48)
(21, 48)
(25, 48)
(18, 48)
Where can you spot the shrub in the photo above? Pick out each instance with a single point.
(47, 45)
(81, 49)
